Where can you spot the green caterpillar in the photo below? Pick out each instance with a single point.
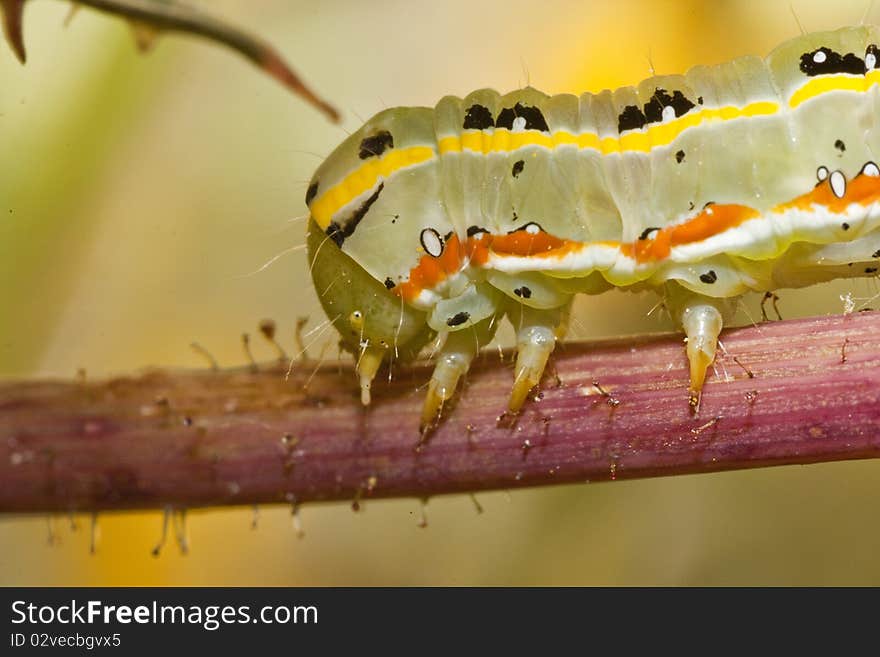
(752, 175)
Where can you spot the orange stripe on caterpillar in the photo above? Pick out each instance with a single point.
(836, 193)
(712, 221)
(433, 270)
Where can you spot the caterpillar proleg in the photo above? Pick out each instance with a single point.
(752, 175)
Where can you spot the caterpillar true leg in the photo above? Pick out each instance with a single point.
(452, 362)
(702, 319)
(536, 335)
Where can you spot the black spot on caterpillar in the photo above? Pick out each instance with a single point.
(518, 167)
(871, 54)
(709, 277)
(631, 118)
(339, 233)
(311, 192)
(679, 157)
(375, 145)
(477, 117)
(870, 270)
(661, 99)
(523, 292)
(825, 61)
(458, 318)
(839, 145)
(534, 118)
(431, 242)
(531, 227)
(389, 283)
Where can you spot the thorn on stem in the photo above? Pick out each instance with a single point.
(423, 520)
(612, 401)
(12, 27)
(246, 345)
(477, 506)
(166, 515)
(255, 516)
(748, 372)
(199, 349)
(94, 533)
(267, 328)
(296, 520)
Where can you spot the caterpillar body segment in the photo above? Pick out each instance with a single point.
(752, 175)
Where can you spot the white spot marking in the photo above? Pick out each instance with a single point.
(533, 229)
(838, 184)
(819, 56)
(519, 123)
(870, 61)
(431, 242)
(668, 113)
(821, 174)
(871, 169)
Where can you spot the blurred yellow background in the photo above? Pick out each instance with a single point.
(138, 194)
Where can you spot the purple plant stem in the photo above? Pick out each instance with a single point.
(191, 439)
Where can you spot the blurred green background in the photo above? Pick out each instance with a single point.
(138, 194)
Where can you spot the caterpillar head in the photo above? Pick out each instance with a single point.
(373, 322)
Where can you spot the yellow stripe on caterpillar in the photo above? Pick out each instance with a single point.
(365, 178)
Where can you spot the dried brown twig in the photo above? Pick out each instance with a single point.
(151, 17)
(798, 391)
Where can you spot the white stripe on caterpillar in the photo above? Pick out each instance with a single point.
(701, 186)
